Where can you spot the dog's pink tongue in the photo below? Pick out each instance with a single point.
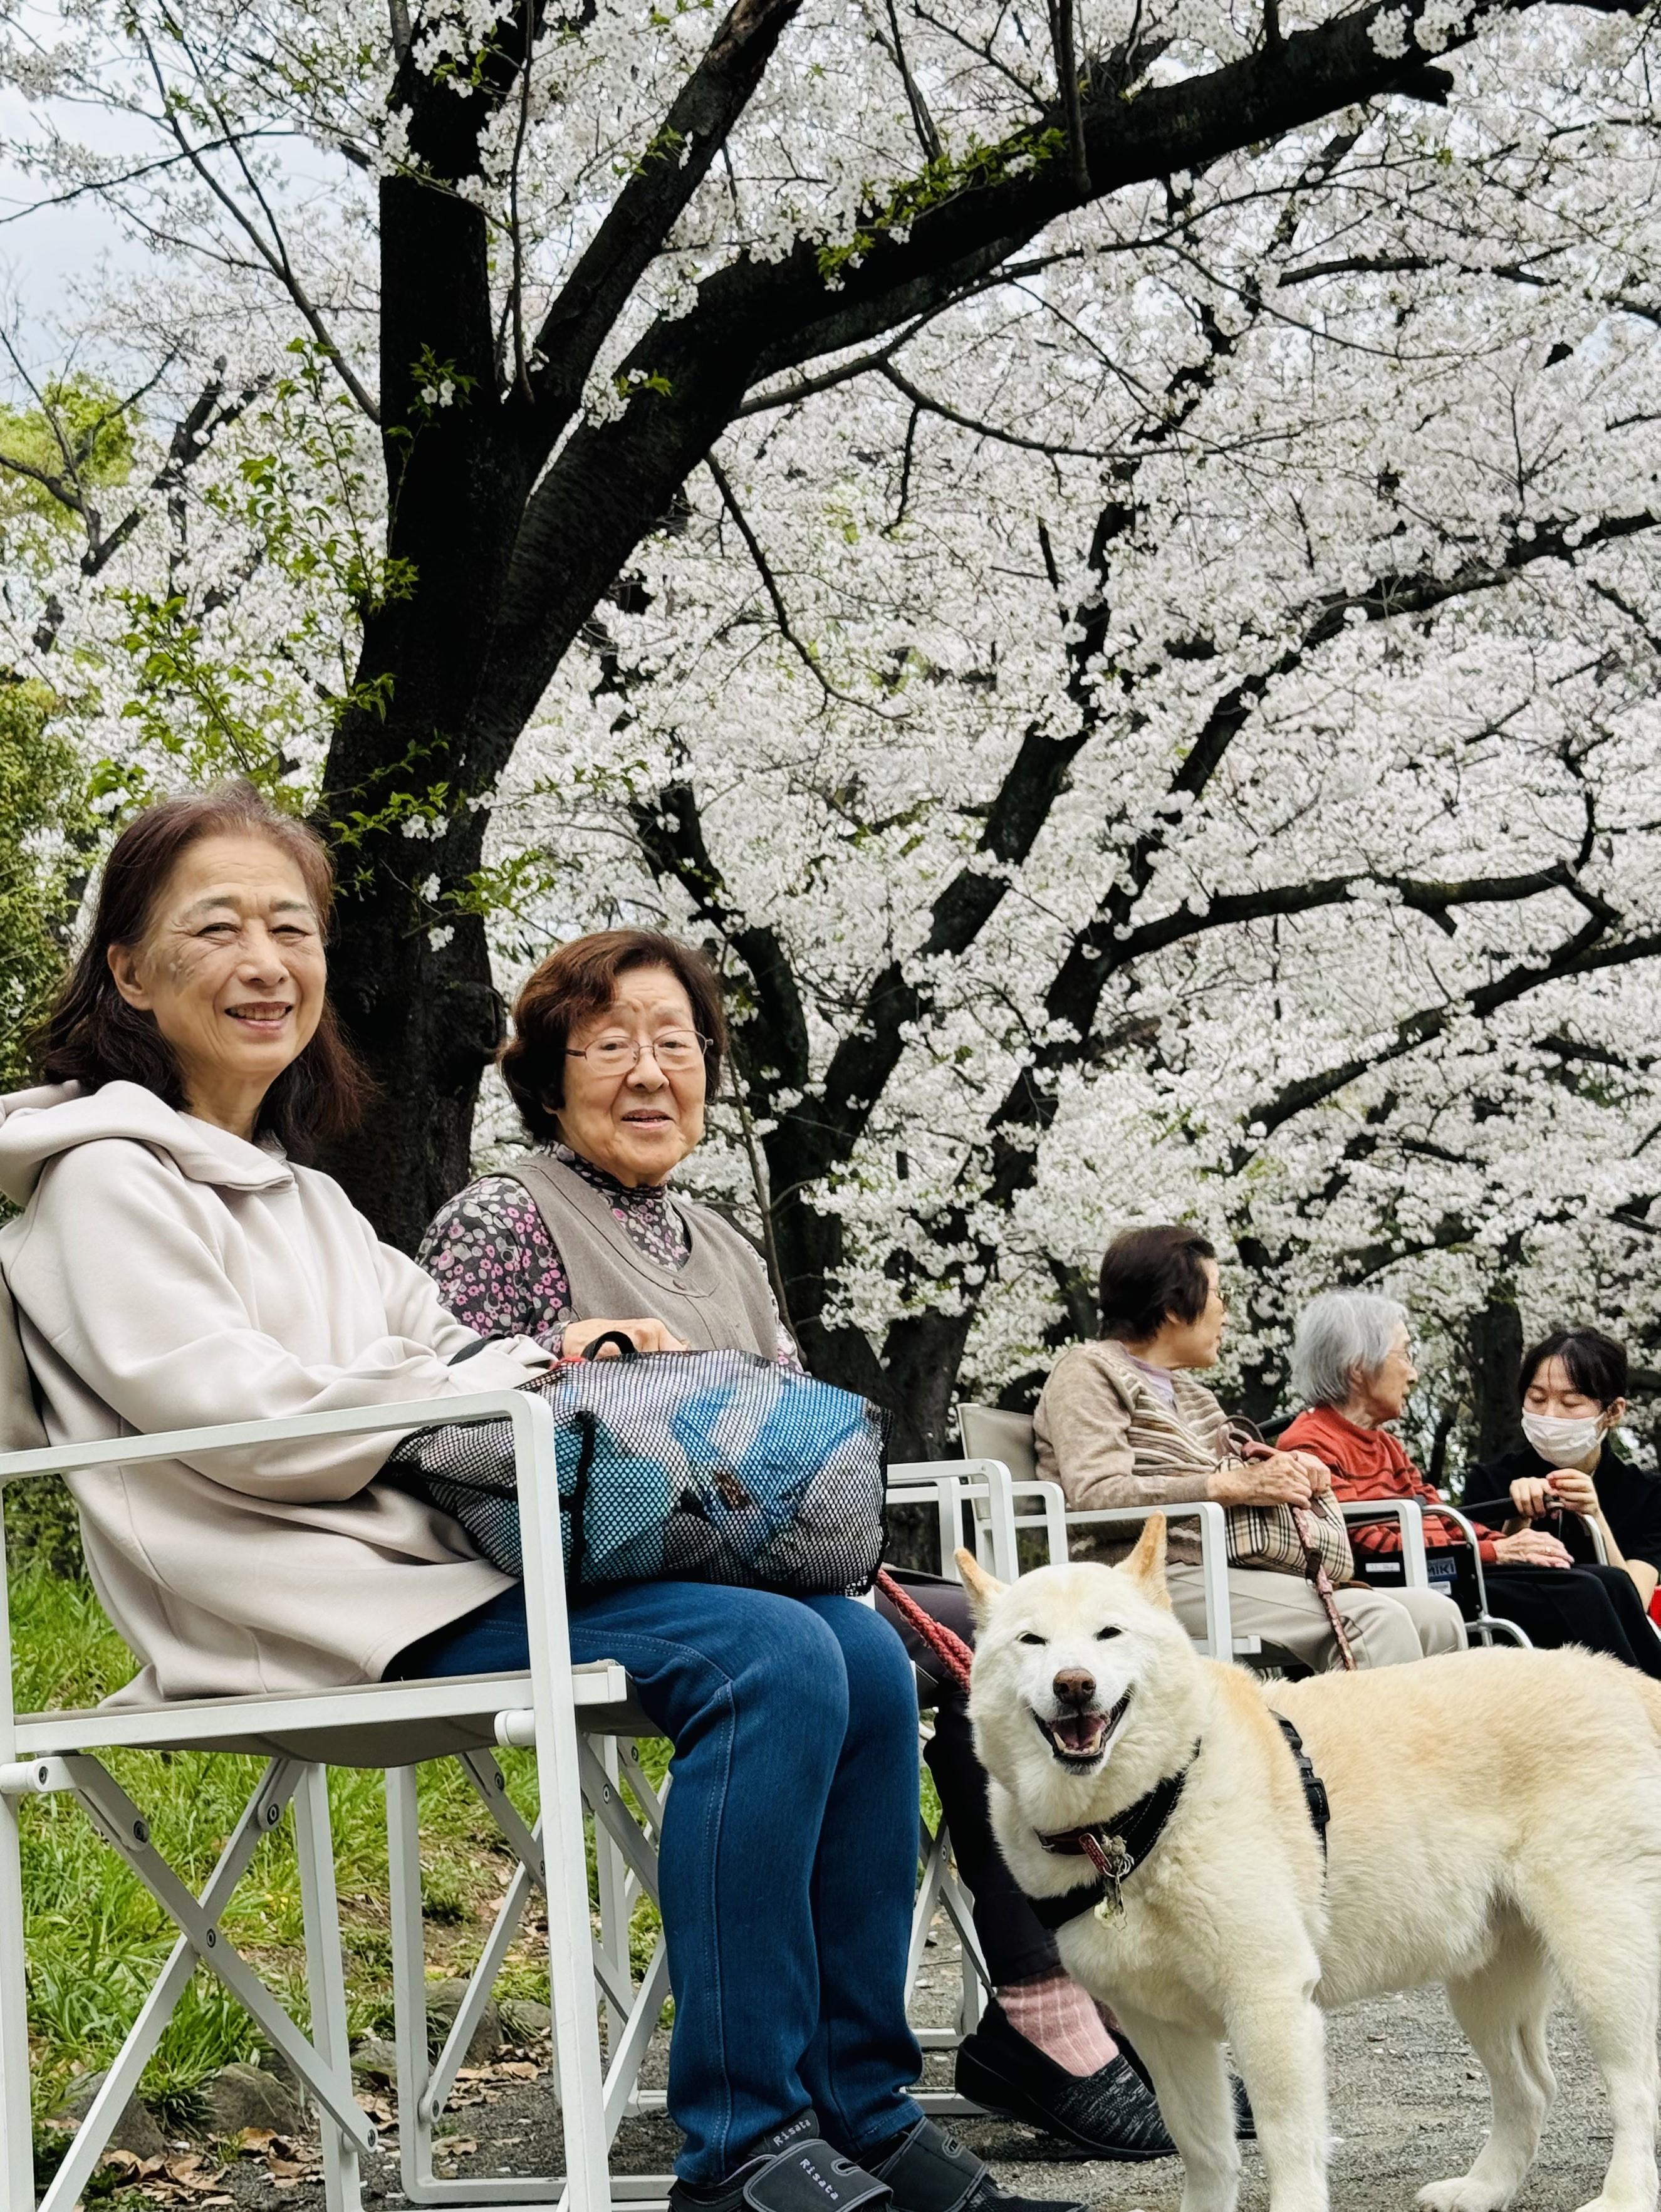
(1081, 1732)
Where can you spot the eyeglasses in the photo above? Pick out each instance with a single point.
(676, 1051)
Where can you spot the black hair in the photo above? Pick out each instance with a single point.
(1150, 1276)
(1595, 1363)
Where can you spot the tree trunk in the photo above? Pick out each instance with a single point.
(426, 1023)
(1495, 1353)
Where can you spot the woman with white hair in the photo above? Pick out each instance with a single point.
(1352, 1364)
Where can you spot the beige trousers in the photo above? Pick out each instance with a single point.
(1284, 1610)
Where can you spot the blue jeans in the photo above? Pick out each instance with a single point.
(789, 1851)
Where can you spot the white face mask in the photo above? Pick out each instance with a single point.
(1563, 1443)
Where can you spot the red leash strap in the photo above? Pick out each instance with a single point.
(950, 1650)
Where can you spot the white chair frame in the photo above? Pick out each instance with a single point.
(983, 1425)
(379, 1725)
(983, 1489)
(583, 1725)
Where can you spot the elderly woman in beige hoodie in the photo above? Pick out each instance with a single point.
(174, 1264)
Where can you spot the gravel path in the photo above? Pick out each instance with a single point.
(1407, 2102)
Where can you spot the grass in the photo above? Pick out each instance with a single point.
(95, 1938)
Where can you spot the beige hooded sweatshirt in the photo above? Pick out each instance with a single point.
(168, 1275)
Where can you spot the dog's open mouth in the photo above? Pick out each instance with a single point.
(1079, 1739)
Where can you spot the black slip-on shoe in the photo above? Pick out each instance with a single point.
(1109, 2114)
(930, 2171)
(792, 2170)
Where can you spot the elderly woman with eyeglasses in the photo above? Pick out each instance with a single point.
(789, 1845)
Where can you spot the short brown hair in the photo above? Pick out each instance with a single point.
(92, 1036)
(1150, 1276)
(580, 980)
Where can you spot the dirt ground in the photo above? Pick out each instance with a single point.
(1408, 2107)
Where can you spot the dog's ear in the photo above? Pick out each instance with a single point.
(1146, 1563)
(982, 1586)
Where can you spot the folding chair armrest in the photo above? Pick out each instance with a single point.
(522, 1408)
(530, 1417)
(1052, 1516)
(1407, 1514)
(952, 1484)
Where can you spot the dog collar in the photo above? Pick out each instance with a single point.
(1115, 1848)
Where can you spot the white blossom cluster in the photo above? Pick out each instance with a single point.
(1333, 468)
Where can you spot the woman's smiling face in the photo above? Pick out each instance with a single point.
(232, 968)
(641, 1122)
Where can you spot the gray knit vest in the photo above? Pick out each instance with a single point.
(717, 1302)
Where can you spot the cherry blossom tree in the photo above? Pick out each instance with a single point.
(555, 256)
(1116, 593)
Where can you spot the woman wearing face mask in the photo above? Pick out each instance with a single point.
(1352, 1360)
(1567, 1472)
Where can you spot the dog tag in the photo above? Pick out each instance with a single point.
(1112, 1862)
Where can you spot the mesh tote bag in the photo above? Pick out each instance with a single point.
(709, 1467)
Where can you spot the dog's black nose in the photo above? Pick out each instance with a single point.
(1073, 1687)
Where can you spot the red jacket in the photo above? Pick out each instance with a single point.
(1369, 1463)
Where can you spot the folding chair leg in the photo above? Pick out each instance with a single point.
(408, 1981)
(16, 2137)
(343, 2172)
(611, 1870)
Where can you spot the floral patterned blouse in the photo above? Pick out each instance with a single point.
(499, 1270)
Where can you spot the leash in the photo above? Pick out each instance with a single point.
(953, 1653)
(1305, 1521)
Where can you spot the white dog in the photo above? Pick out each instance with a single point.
(1495, 1825)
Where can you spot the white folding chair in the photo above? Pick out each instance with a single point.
(572, 1718)
(989, 1431)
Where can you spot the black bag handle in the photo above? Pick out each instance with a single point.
(626, 1348)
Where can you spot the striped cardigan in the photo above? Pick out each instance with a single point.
(1105, 1437)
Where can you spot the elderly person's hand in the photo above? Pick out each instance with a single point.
(1320, 1474)
(1531, 1547)
(1282, 1479)
(645, 1335)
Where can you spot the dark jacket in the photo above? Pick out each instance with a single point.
(1631, 1500)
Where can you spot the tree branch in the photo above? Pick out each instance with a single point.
(671, 834)
(776, 597)
(272, 250)
(637, 225)
(1583, 954)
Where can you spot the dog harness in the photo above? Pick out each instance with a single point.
(1117, 1848)
(1314, 1789)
